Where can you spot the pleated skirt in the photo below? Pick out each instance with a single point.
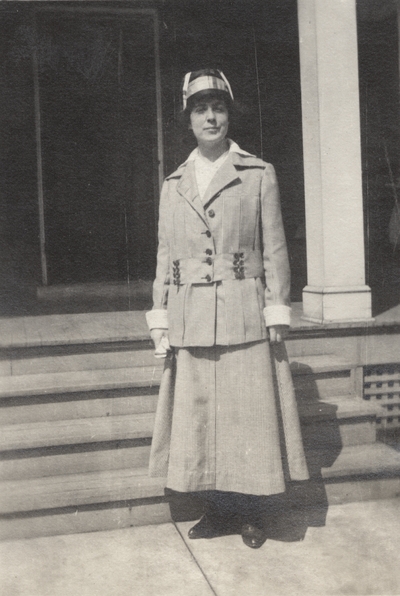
(227, 420)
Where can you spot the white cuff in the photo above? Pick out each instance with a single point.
(157, 319)
(277, 314)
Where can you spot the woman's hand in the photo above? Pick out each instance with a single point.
(277, 333)
(157, 335)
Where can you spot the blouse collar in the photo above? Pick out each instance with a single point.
(233, 148)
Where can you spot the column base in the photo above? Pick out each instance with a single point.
(339, 304)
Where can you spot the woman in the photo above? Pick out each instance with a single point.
(226, 426)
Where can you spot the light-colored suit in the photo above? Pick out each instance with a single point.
(222, 259)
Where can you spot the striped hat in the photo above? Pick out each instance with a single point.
(209, 81)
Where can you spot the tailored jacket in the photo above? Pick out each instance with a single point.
(222, 264)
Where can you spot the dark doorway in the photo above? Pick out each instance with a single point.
(380, 125)
(97, 90)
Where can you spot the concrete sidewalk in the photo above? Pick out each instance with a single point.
(356, 552)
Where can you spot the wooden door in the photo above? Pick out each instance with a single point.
(98, 132)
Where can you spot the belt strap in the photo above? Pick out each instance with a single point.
(211, 268)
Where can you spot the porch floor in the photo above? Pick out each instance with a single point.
(86, 328)
(355, 553)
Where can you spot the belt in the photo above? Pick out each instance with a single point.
(209, 269)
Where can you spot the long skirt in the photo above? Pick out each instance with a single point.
(227, 420)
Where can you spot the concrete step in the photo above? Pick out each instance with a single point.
(80, 459)
(320, 376)
(89, 444)
(78, 520)
(67, 382)
(357, 473)
(352, 471)
(363, 473)
(73, 490)
(364, 460)
(76, 432)
(73, 329)
(86, 436)
(59, 362)
(341, 407)
(72, 406)
(355, 419)
(323, 386)
(318, 364)
(339, 420)
(350, 474)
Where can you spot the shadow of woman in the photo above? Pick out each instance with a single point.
(305, 504)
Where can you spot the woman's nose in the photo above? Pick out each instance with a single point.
(210, 114)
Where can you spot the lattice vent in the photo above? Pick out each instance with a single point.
(382, 385)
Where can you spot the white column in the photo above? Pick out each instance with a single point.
(336, 289)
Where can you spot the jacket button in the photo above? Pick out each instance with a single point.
(211, 213)
(208, 251)
(209, 261)
(208, 234)
(208, 278)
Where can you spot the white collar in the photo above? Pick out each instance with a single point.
(233, 148)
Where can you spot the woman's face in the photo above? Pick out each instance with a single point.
(209, 120)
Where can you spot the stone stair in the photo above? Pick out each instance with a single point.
(76, 425)
(339, 429)
(327, 390)
(77, 419)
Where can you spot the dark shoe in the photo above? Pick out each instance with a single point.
(212, 526)
(253, 536)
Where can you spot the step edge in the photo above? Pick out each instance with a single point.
(389, 467)
(335, 364)
(20, 491)
(31, 428)
(154, 375)
(347, 407)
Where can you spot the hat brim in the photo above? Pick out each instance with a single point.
(208, 94)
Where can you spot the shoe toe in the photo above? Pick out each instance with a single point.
(253, 536)
(205, 528)
(195, 532)
(213, 527)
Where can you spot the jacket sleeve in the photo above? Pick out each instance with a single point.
(275, 257)
(157, 317)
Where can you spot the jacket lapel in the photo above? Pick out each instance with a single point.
(187, 187)
(227, 175)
